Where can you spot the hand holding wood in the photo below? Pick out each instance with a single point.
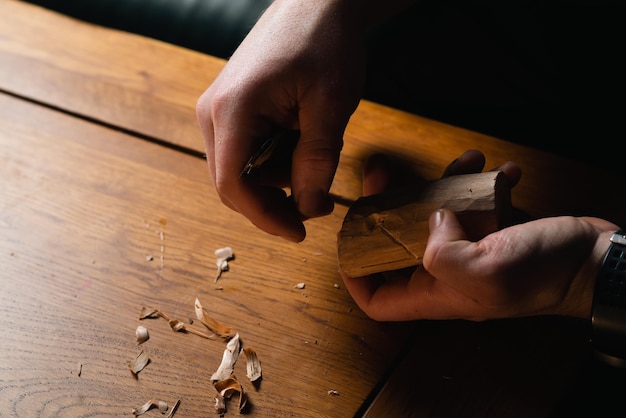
(389, 231)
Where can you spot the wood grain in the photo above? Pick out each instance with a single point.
(82, 208)
(389, 230)
(149, 87)
(515, 368)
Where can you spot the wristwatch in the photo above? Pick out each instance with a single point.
(608, 314)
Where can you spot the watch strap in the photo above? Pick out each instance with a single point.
(609, 302)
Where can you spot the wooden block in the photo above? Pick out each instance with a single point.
(389, 231)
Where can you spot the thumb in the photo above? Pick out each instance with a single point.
(446, 243)
(314, 163)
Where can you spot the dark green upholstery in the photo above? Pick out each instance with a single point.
(212, 26)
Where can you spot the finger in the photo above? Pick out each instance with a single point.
(512, 172)
(376, 175)
(203, 115)
(401, 297)
(268, 208)
(207, 130)
(471, 161)
(315, 160)
(447, 244)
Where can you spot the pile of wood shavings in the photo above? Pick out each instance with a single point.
(224, 380)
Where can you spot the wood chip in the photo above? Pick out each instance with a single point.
(223, 255)
(229, 358)
(139, 363)
(180, 326)
(225, 390)
(142, 334)
(211, 323)
(220, 404)
(253, 364)
(151, 313)
(151, 404)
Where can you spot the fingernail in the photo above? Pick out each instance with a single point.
(314, 203)
(437, 218)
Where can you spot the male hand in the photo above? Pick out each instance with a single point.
(300, 68)
(544, 266)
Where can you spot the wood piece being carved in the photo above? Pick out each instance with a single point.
(389, 231)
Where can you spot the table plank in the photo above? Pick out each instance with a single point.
(112, 76)
(513, 368)
(152, 88)
(81, 208)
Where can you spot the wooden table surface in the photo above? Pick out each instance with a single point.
(106, 207)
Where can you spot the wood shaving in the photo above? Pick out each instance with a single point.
(175, 324)
(211, 323)
(220, 404)
(142, 334)
(225, 390)
(139, 363)
(180, 326)
(151, 313)
(223, 256)
(229, 358)
(174, 409)
(151, 404)
(223, 379)
(253, 364)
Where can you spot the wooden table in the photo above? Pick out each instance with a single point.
(106, 207)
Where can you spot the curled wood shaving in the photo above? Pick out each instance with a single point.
(142, 334)
(151, 404)
(211, 323)
(180, 326)
(225, 390)
(253, 364)
(152, 313)
(229, 358)
(223, 255)
(139, 363)
(175, 324)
